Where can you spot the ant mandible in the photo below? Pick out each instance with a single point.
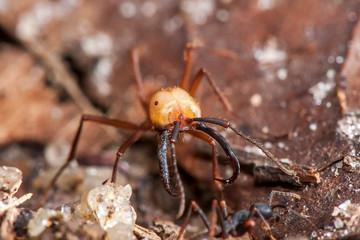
(240, 222)
(171, 111)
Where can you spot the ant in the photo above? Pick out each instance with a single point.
(240, 222)
(172, 111)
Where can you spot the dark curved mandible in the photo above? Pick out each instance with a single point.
(227, 149)
(164, 169)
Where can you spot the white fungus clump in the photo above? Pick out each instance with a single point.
(109, 206)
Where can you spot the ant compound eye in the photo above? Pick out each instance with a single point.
(156, 102)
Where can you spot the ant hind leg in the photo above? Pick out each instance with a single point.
(194, 85)
(90, 118)
(133, 138)
(211, 142)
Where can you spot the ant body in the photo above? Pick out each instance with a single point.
(171, 111)
(240, 222)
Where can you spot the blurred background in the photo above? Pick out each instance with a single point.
(292, 79)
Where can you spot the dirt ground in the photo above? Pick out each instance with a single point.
(290, 72)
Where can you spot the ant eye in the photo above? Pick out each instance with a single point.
(156, 102)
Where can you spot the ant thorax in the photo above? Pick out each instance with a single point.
(172, 104)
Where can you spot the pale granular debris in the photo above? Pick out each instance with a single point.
(267, 4)
(353, 162)
(99, 44)
(173, 24)
(320, 90)
(103, 70)
(149, 9)
(223, 15)
(32, 22)
(347, 214)
(109, 206)
(56, 152)
(42, 219)
(256, 100)
(10, 179)
(198, 10)
(270, 53)
(349, 126)
(127, 9)
(71, 176)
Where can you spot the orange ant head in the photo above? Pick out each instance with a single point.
(173, 104)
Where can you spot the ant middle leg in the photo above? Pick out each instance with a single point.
(211, 142)
(90, 118)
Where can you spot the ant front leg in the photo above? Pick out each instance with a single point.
(90, 118)
(133, 138)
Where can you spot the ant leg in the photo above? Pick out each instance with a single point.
(193, 207)
(225, 146)
(253, 210)
(174, 136)
(211, 142)
(189, 59)
(84, 117)
(134, 54)
(213, 220)
(133, 138)
(223, 208)
(227, 124)
(222, 214)
(198, 77)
